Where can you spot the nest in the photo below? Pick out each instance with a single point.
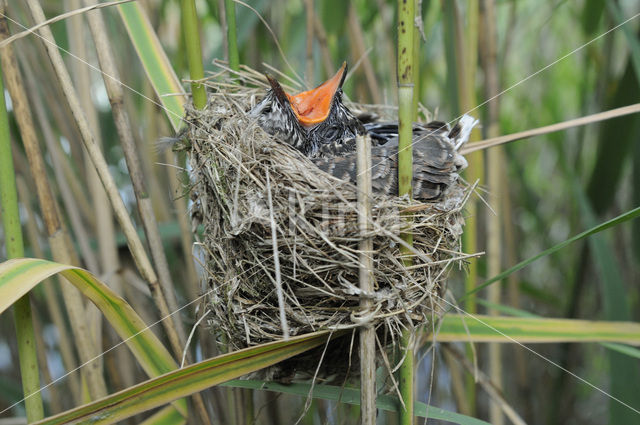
(244, 183)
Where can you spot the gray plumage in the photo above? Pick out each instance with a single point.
(330, 144)
(436, 164)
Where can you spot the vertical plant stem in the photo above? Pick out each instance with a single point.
(417, 23)
(123, 127)
(55, 402)
(13, 240)
(405, 96)
(495, 164)
(406, 14)
(78, 47)
(308, 4)
(135, 245)
(104, 226)
(58, 238)
(405, 381)
(388, 47)
(359, 47)
(50, 294)
(465, 71)
(194, 52)
(321, 35)
(367, 331)
(232, 36)
(125, 133)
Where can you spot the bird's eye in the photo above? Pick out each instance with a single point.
(332, 133)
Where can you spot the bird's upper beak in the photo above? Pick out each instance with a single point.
(311, 107)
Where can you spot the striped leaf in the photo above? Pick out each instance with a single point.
(524, 330)
(189, 380)
(154, 60)
(19, 276)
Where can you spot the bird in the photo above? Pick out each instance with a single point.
(319, 124)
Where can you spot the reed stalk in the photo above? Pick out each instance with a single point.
(406, 14)
(405, 98)
(417, 34)
(135, 244)
(323, 43)
(194, 52)
(356, 35)
(59, 241)
(125, 133)
(310, 15)
(55, 402)
(367, 331)
(463, 43)
(563, 125)
(15, 249)
(51, 289)
(495, 165)
(232, 36)
(78, 46)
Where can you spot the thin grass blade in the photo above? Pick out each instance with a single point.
(155, 62)
(524, 330)
(19, 276)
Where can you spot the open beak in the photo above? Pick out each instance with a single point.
(311, 107)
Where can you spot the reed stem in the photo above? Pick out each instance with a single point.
(232, 37)
(367, 331)
(406, 13)
(15, 249)
(462, 41)
(194, 52)
(406, 379)
(58, 238)
(133, 241)
(416, 57)
(495, 178)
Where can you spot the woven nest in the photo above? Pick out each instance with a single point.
(244, 181)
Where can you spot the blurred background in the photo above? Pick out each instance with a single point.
(485, 58)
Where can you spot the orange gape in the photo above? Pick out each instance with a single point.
(312, 106)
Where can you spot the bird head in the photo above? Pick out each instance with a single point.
(276, 116)
(311, 118)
